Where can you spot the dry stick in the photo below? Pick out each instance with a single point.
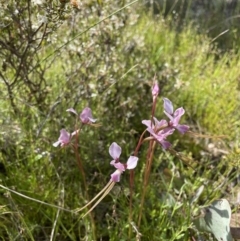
(195, 134)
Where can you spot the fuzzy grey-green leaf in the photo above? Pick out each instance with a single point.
(216, 219)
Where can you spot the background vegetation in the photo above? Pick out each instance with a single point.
(54, 56)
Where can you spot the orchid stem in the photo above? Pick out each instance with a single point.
(110, 186)
(131, 181)
(80, 166)
(148, 166)
(80, 209)
(145, 181)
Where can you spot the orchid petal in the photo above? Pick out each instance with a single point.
(56, 144)
(168, 115)
(182, 128)
(63, 139)
(179, 112)
(167, 132)
(168, 107)
(147, 123)
(160, 137)
(151, 131)
(92, 120)
(115, 151)
(112, 162)
(119, 166)
(86, 115)
(64, 136)
(72, 110)
(177, 116)
(115, 177)
(74, 133)
(160, 124)
(132, 162)
(165, 144)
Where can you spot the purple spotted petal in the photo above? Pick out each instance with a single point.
(132, 162)
(115, 151)
(168, 107)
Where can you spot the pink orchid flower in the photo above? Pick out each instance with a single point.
(85, 116)
(64, 138)
(174, 116)
(160, 131)
(115, 152)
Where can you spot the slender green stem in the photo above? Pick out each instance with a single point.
(35, 200)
